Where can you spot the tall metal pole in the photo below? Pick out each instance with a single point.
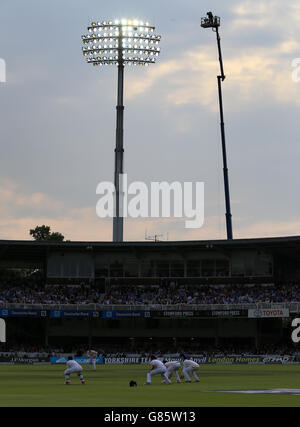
(120, 42)
(119, 150)
(225, 168)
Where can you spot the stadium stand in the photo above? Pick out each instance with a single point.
(219, 297)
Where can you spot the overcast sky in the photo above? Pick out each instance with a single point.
(57, 116)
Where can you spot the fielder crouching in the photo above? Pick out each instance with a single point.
(157, 368)
(73, 367)
(189, 367)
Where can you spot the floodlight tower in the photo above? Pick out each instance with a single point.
(120, 42)
(213, 22)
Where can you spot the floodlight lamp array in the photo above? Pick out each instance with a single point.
(121, 42)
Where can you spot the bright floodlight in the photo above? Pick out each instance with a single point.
(121, 41)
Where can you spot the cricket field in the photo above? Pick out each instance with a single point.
(108, 386)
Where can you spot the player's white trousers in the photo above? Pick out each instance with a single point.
(173, 370)
(190, 370)
(93, 363)
(157, 371)
(72, 371)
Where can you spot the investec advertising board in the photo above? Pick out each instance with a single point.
(22, 312)
(25, 312)
(119, 314)
(57, 314)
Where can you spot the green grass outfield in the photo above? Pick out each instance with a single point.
(43, 385)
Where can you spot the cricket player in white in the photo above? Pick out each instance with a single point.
(157, 368)
(73, 367)
(92, 356)
(190, 367)
(173, 368)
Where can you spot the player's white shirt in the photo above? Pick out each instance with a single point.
(157, 364)
(92, 354)
(190, 363)
(174, 363)
(72, 364)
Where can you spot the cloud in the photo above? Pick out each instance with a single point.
(256, 72)
(270, 229)
(253, 13)
(153, 74)
(78, 226)
(259, 41)
(254, 76)
(82, 224)
(13, 198)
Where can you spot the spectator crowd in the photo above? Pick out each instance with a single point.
(170, 294)
(109, 350)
